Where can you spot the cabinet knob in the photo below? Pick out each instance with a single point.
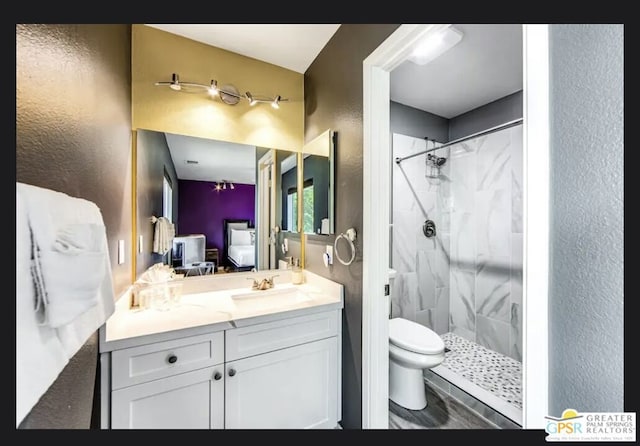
(172, 359)
(232, 372)
(217, 376)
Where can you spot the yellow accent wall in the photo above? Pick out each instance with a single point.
(157, 54)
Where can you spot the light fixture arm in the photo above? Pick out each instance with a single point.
(214, 90)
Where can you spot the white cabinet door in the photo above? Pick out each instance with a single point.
(292, 388)
(192, 400)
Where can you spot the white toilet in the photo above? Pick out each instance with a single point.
(412, 348)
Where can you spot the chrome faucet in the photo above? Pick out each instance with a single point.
(265, 284)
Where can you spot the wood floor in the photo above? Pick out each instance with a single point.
(442, 412)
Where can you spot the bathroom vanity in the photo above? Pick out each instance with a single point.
(226, 357)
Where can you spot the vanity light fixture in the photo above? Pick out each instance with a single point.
(250, 98)
(213, 89)
(227, 93)
(222, 185)
(177, 85)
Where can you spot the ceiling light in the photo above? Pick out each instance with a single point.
(218, 187)
(252, 101)
(435, 44)
(231, 186)
(224, 185)
(213, 89)
(275, 104)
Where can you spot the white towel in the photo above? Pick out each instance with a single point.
(76, 297)
(163, 235)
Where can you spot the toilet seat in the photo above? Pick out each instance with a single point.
(414, 337)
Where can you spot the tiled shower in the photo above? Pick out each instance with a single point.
(466, 282)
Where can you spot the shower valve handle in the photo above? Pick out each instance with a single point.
(429, 228)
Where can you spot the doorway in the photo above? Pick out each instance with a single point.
(266, 212)
(377, 188)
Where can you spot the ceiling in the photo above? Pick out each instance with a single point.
(486, 65)
(292, 46)
(238, 166)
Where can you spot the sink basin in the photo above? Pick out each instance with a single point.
(272, 296)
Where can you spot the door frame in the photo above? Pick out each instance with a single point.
(266, 206)
(377, 189)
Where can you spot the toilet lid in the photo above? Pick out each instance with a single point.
(414, 337)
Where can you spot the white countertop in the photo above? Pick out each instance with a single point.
(214, 310)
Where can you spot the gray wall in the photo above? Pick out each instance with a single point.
(490, 115)
(586, 270)
(73, 135)
(418, 123)
(333, 99)
(153, 157)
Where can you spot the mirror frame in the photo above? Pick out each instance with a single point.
(134, 201)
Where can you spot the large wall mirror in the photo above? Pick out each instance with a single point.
(318, 185)
(227, 201)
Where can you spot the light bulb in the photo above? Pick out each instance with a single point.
(276, 102)
(175, 82)
(213, 89)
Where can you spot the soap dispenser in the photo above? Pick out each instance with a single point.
(296, 273)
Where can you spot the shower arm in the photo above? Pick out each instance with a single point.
(465, 138)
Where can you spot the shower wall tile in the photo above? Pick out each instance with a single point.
(425, 273)
(402, 195)
(463, 240)
(441, 255)
(441, 311)
(493, 161)
(403, 145)
(463, 183)
(404, 296)
(425, 317)
(516, 268)
(515, 340)
(493, 288)
(516, 178)
(493, 334)
(404, 247)
(493, 223)
(516, 204)
(469, 335)
(462, 301)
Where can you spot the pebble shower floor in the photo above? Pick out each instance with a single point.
(492, 371)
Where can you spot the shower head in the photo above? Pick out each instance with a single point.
(436, 160)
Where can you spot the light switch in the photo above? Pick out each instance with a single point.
(329, 252)
(120, 252)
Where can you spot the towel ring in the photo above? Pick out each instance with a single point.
(349, 236)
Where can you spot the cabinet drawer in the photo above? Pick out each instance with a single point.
(261, 338)
(153, 361)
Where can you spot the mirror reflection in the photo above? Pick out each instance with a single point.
(224, 201)
(318, 184)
